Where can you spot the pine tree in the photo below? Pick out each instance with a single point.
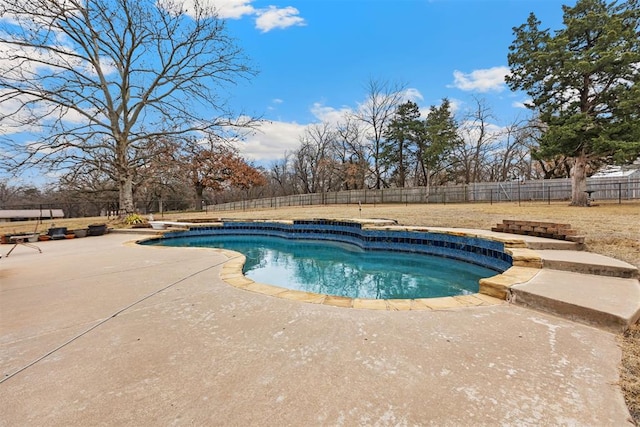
(583, 82)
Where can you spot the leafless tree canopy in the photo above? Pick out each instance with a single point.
(354, 153)
(376, 112)
(99, 81)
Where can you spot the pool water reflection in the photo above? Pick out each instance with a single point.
(342, 269)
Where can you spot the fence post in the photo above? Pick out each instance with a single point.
(619, 193)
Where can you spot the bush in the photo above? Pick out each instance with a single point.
(134, 219)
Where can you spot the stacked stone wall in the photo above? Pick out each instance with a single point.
(550, 230)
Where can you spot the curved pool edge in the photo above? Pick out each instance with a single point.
(231, 273)
(493, 290)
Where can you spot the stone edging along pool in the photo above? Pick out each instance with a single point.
(494, 252)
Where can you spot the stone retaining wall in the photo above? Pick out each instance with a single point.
(550, 230)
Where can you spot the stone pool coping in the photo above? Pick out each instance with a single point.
(231, 274)
(493, 290)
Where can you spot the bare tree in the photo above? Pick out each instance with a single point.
(8, 193)
(376, 112)
(512, 157)
(281, 177)
(313, 161)
(479, 137)
(351, 153)
(543, 167)
(111, 77)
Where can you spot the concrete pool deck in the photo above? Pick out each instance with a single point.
(102, 331)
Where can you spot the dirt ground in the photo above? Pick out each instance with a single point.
(610, 229)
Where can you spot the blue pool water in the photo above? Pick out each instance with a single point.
(334, 268)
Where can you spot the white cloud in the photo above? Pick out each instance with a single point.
(272, 140)
(455, 105)
(266, 19)
(471, 132)
(231, 9)
(413, 94)
(274, 104)
(329, 114)
(15, 116)
(485, 80)
(274, 17)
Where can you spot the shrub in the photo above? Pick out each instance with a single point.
(134, 219)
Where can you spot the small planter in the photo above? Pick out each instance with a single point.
(57, 233)
(158, 225)
(80, 232)
(97, 229)
(33, 238)
(44, 238)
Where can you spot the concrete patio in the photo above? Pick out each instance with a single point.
(100, 331)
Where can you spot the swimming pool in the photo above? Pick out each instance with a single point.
(343, 258)
(343, 269)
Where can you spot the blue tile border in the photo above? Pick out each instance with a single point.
(474, 250)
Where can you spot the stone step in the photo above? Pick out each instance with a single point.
(587, 263)
(542, 243)
(609, 303)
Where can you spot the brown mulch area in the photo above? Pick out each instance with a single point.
(610, 229)
(630, 371)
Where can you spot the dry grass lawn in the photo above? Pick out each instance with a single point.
(610, 229)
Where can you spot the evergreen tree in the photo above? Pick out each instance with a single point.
(583, 82)
(439, 135)
(400, 137)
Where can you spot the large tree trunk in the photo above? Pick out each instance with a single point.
(125, 177)
(125, 190)
(579, 180)
(199, 187)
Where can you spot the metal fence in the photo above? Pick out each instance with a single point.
(487, 192)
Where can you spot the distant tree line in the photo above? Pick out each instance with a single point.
(180, 175)
(390, 143)
(121, 101)
(584, 87)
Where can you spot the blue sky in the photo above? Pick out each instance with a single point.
(315, 57)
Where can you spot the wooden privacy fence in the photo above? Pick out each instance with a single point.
(486, 192)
